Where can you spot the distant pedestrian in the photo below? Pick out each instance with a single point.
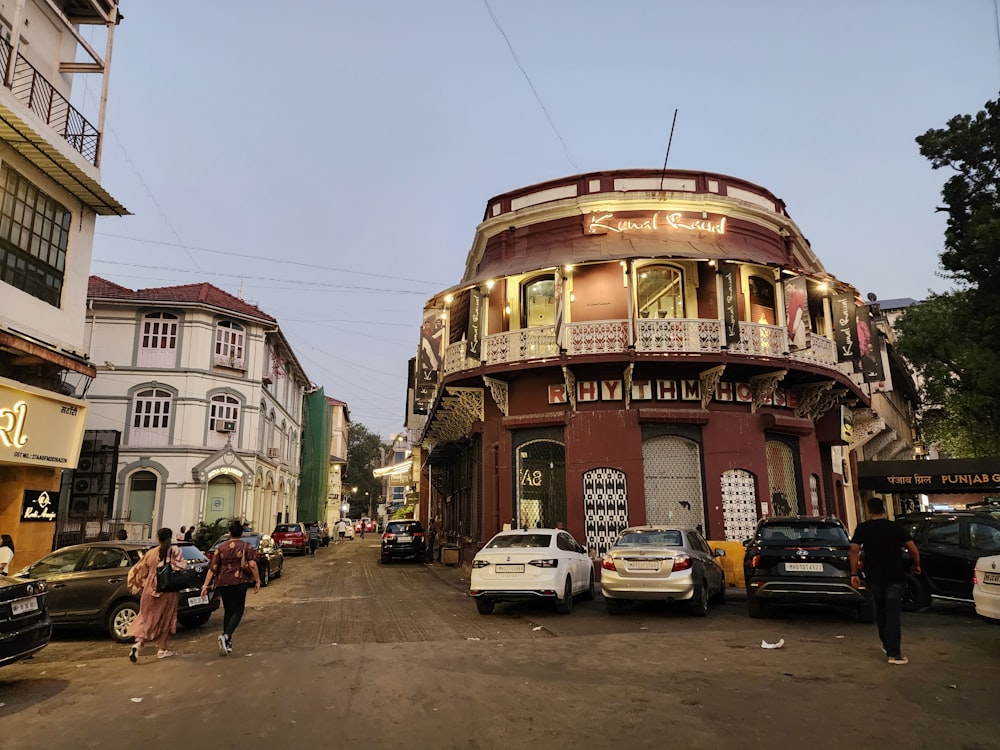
(233, 566)
(432, 532)
(341, 530)
(6, 554)
(157, 618)
(121, 535)
(882, 541)
(560, 525)
(189, 534)
(181, 533)
(314, 534)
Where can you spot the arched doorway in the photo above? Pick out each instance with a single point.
(221, 496)
(782, 477)
(541, 484)
(142, 499)
(672, 474)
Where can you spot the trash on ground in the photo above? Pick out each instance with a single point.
(137, 700)
(779, 644)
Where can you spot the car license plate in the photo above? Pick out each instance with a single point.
(643, 565)
(796, 567)
(991, 578)
(19, 607)
(404, 538)
(510, 567)
(194, 601)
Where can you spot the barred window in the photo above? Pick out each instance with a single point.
(229, 339)
(34, 233)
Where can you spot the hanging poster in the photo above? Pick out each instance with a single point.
(730, 302)
(797, 313)
(559, 315)
(429, 358)
(845, 329)
(474, 334)
(869, 346)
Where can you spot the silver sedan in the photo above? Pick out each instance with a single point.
(661, 563)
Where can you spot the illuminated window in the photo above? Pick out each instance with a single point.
(660, 292)
(151, 417)
(34, 232)
(538, 302)
(158, 341)
(229, 339)
(761, 301)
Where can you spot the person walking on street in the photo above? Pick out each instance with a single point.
(432, 532)
(233, 567)
(882, 542)
(6, 555)
(341, 530)
(157, 618)
(313, 537)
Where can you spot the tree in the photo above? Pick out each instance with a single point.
(953, 339)
(363, 455)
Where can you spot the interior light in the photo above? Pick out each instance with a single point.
(568, 267)
(712, 263)
(507, 309)
(572, 297)
(448, 299)
(490, 283)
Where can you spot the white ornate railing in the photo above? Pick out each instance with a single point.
(681, 336)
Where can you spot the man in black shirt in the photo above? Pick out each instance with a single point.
(885, 574)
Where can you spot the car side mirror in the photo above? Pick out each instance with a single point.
(746, 542)
(719, 552)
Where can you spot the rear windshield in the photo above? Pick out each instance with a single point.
(409, 527)
(651, 538)
(286, 527)
(192, 553)
(804, 533)
(508, 541)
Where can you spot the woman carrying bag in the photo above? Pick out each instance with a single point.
(233, 569)
(157, 618)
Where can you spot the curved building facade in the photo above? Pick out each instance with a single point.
(637, 346)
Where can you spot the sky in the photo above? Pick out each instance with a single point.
(330, 163)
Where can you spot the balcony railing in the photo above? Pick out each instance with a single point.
(36, 93)
(651, 337)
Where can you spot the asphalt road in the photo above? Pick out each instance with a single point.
(344, 652)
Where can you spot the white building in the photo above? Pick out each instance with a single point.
(50, 198)
(340, 420)
(207, 395)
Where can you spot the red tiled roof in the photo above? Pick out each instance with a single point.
(203, 293)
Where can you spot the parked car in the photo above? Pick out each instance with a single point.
(86, 586)
(986, 587)
(402, 539)
(802, 560)
(530, 564)
(270, 559)
(949, 544)
(25, 626)
(661, 563)
(291, 537)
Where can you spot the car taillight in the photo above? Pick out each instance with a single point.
(418, 534)
(607, 562)
(550, 563)
(480, 563)
(387, 537)
(682, 562)
(755, 561)
(975, 578)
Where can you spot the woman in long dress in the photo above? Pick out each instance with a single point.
(157, 618)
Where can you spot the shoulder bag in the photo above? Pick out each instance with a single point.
(169, 578)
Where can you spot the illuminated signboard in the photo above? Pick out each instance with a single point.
(604, 222)
(39, 427)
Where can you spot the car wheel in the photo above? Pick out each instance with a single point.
(866, 613)
(265, 576)
(755, 607)
(720, 596)
(119, 619)
(280, 570)
(485, 606)
(916, 595)
(699, 600)
(588, 595)
(565, 605)
(194, 621)
(615, 606)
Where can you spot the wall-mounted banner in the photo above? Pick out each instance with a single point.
(39, 427)
(869, 346)
(559, 315)
(730, 302)
(797, 312)
(429, 359)
(474, 334)
(845, 329)
(39, 505)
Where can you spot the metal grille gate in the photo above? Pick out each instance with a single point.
(605, 507)
(672, 474)
(739, 504)
(781, 477)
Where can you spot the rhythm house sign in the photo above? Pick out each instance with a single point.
(664, 390)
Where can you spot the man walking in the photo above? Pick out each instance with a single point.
(882, 542)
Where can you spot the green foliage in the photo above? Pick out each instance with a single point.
(208, 534)
(953, 339)
(363, 456)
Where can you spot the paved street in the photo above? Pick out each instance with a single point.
(342, 651)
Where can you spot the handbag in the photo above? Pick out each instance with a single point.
(169, 579)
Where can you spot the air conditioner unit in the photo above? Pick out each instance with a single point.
(225, 426)
(273, 452)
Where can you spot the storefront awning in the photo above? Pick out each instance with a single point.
(953, 475)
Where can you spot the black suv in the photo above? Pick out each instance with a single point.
(403, 538)
(949, 544)
(801, 560)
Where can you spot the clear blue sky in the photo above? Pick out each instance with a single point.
(352, 146)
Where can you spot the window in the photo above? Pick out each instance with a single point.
(761, 300)
(945, 534)
(158, 341)
(984, 538)
(151, 417)
(660, 292)
(229, 339)
(538, 302)
(34, 233)
(225, 409)
(106, 559)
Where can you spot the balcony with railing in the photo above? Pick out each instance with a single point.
(36, 93)
(669, 336)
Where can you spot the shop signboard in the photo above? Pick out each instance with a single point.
(39, 427)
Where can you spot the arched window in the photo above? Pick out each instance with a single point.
(538, 302)
(229, 338)
(142, 499)
(541, 484)
(158, 340)
(224, 413)
(150, 417)
(761, 300)
(660, 292)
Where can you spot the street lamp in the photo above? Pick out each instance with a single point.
(354, 492)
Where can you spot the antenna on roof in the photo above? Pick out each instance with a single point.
(663, 174)
(240, 294)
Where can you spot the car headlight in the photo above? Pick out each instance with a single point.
(549, 563)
